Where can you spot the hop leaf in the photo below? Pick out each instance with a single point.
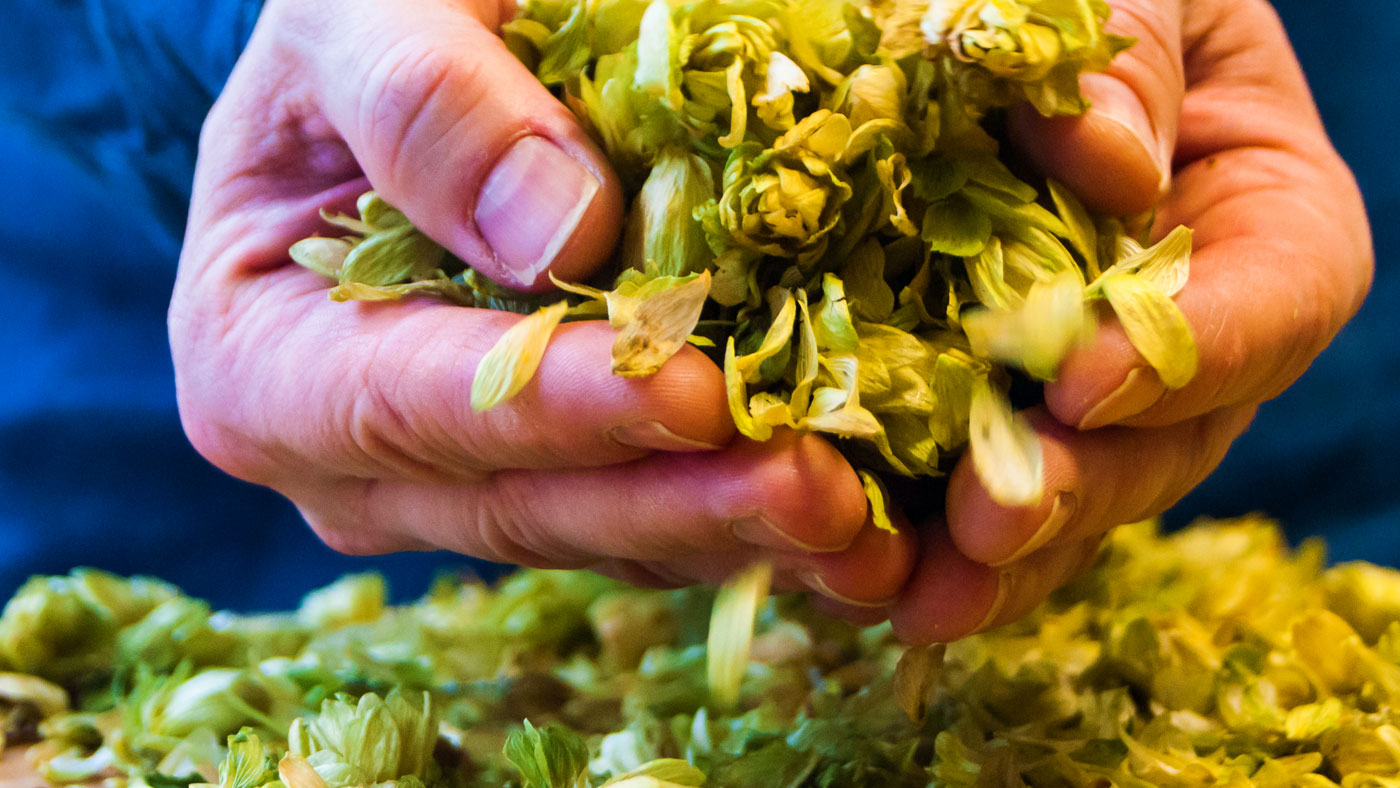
(731, 632)
(512, 361)
(1005, 450)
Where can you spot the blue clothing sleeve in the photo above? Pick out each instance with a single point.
(101, 103)
(123, 86)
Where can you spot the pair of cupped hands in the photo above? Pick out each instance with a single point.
(359, 413)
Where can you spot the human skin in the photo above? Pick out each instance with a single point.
(358, 412)
(1208, 117)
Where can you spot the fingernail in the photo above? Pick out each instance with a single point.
(1004, 583)
(530, 205)
(762, 532)
(1140, 390)
(1061, 510)
(1120, 106)
(655, 435)
(816, 583)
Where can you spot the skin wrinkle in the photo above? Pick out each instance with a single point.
(394, 108)
(507, 524)
(378, 428)
(1209, 439)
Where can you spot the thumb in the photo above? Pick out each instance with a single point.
(1117, 157)
(454, 131)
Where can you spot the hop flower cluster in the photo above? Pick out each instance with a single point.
(1155, 669)
(818, 196)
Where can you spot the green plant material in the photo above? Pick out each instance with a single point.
(370, 740)
(1038, 332)
(660, 773)
(551, 757)
(915, 676)
(1005, 450)
(44, 698)
(832, 171)
(1001, 51)
(353, 599)
(784, 201)
(662, 231)
(1154, 324)
(512, 361)
(249, 764)
(1155, 668)
(731, 632)
(658, 327)
(876, 497)
(219, 699)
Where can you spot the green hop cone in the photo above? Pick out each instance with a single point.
(1033, 49)
(786, 200)
(51, 630)
(995, 34)
(372, 740)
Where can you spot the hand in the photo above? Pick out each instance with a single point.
(359, 412)
(1211, 107)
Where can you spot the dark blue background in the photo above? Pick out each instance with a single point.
(100, 104)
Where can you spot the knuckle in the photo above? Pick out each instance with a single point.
(345, 538)
(513, 529)
(377, 424)
(224, 448)
(404, 91)
(202, 393)
(342, 516)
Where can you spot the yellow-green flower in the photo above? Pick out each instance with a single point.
(996, 34)
(785, 200)
(1003, 51)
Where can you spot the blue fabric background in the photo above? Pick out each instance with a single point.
(100, 107)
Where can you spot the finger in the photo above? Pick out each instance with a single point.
(792, 494)
(871, 572)
(950, 597)
(1118, 155)
(452, 129)
(1024, 585)
(1094, 481)
(1283, 254)
(851, 614)
(867, 574)
(374, 390)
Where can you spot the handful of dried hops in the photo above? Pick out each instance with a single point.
(817, 200)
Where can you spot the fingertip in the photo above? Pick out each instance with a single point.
(803, 488)
(1103, 160)
(996, 535)
(872, 570)
(1090, 376)
(982, 529)
(689, 394)
(679, 408)
(856, 616)
(948, 597)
